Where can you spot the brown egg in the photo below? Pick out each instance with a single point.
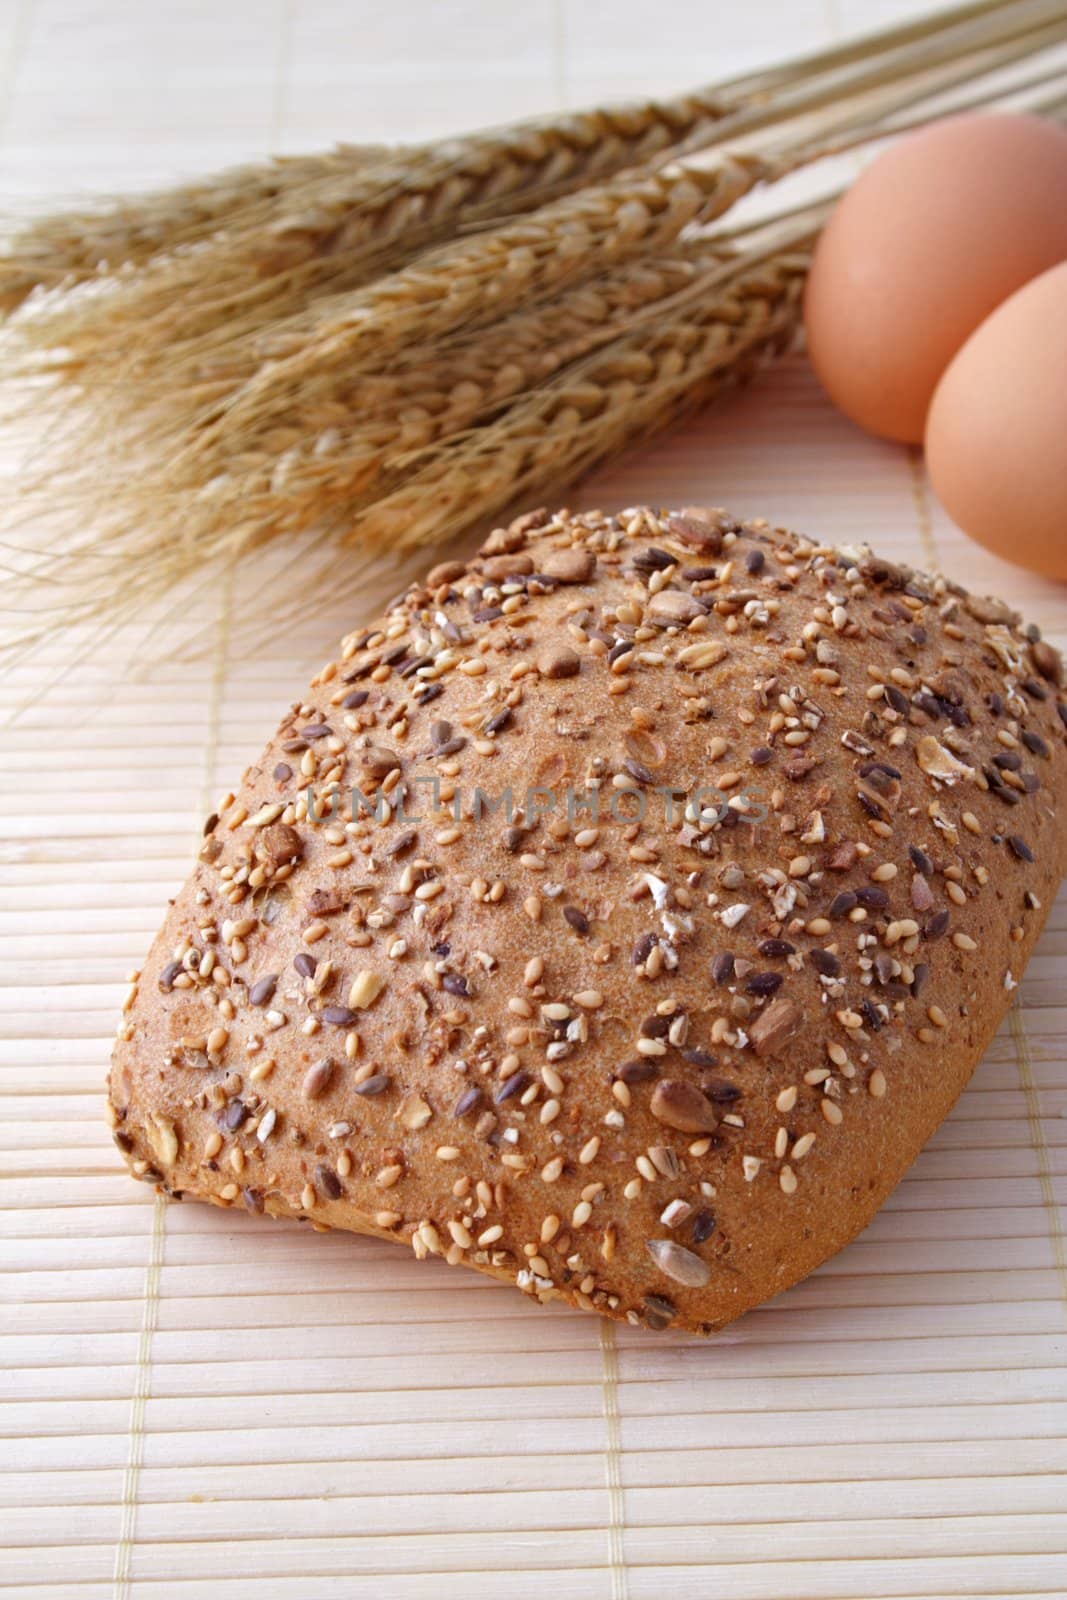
(930, 239)
(996, 437)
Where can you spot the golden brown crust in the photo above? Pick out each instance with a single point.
(661, 1062)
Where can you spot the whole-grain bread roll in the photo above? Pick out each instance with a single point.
(619, 915)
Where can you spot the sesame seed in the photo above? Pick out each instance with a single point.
(365, 989)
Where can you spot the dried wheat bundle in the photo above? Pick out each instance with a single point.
(376, 427)
(424, 337)
(341, 428)
(474, 280)
(716, 303)
(158, 384)
(333, 233)
(272, 389)
(313, 196)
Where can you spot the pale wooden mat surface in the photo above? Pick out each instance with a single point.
(201, 1406)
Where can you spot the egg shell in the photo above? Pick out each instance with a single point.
(933, 236)
(996, 438)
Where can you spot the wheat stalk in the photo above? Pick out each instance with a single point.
(474, 282)
(316, 197)
(634, 388)
(330, 234)
(336, 233)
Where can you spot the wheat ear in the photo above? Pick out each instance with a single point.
(475, 281)
(338, 448)
(316, 197)
(149, 539)
(333, 234)
(338, 231)
(65, 249)
(344, 432)
(632, 390)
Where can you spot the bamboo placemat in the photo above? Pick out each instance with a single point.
(201, 1405)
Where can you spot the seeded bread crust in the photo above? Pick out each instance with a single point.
(659, 1068)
